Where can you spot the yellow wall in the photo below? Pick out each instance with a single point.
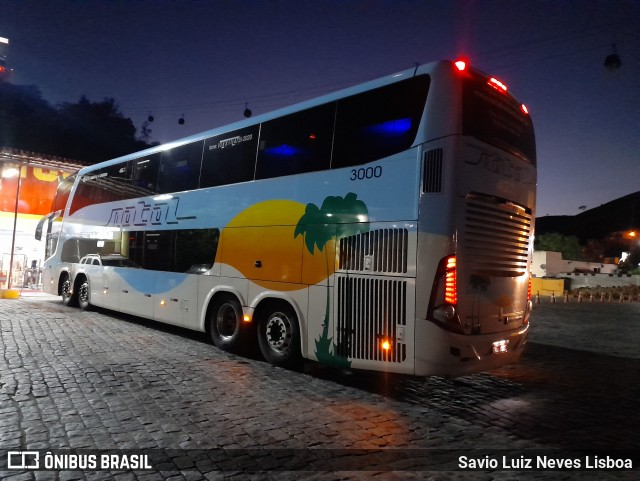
(545, 287)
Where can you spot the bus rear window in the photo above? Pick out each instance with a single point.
(496, 118)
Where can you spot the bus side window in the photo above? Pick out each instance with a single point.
(378, 123)
(296, 143)
(195, 247)
(172, 250)
(229, 158)
(142, 176)
(98, 187)
(70, 251)
(180, 168)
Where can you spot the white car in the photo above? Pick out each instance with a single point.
(76, 290)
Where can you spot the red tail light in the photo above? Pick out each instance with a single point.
(444, 296)
(450, 281)
(529, 289)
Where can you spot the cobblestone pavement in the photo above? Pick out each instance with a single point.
(100, 381)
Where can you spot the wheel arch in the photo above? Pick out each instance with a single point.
(212, 296)
(64, 273)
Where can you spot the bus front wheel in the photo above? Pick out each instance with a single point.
(279, 336)
(68, 298)
(225, 323)
(83, 294)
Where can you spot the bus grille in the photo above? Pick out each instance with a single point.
(432, 174)
(382, 250)
(496, 236)
(370, 311)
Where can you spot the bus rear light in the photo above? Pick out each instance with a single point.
(529, 289)
(444, 296)
(450, 281)
(385, 345)
(500, 346)
(496, 84)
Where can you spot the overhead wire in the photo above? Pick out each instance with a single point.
(276, 99)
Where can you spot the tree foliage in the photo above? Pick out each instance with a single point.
(86, 131)
(569, 246)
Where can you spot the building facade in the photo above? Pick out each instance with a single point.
(28, 184)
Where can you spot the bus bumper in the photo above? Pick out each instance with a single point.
(443, 353)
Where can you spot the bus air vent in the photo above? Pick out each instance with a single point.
(381, 250)
(372, 311)
(496, 236)
(432, 173)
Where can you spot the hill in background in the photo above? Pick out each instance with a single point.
(621, 214)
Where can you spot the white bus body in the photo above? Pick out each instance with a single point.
(385, 227)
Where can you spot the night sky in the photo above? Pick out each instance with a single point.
(204, 60)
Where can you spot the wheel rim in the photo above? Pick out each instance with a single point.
(66, 288)
(83, 295)
(279, 332)
(226, 321)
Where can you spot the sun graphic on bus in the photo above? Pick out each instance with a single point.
(285, 245)
(260, 243)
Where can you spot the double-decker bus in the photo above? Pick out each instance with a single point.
(387, 226)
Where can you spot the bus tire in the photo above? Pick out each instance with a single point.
(68, 298)
(279, 335)
(225, 323)
(83, 293)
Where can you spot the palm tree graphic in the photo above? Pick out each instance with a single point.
(338, 217)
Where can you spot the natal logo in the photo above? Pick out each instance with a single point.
(159, 212)
(294, 246)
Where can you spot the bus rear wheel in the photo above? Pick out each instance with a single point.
(279, 336)
(225, 323)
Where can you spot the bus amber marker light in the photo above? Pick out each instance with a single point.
(386, 345)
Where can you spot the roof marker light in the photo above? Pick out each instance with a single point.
(524, 108)
(496, 84)
(460, 65)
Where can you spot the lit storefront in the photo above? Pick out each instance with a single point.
(28, 184)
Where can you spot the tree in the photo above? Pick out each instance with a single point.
(28, 121)
(97, 131)
(88, 132)
(569, 246)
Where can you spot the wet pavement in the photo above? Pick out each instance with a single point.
(81, 383)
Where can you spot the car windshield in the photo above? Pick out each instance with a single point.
(118, 262)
